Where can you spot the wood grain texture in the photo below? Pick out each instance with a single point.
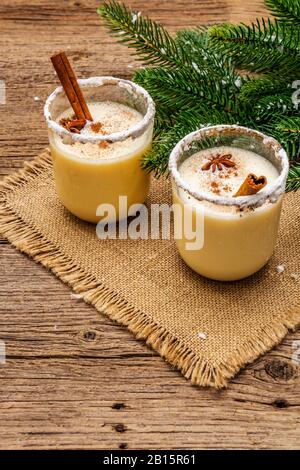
(72, 378)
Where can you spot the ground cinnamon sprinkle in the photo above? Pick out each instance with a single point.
(215, 187)
(227, 188)
(103, 144)
(96, 127)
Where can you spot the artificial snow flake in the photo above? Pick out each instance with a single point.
(75, 296)
(201, 335)
(195, 66)
(238, 82)
(135, 16)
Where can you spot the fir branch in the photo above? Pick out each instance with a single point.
(255, 88)
(151, 42)
(260, 47)
(177, 89)
(194, 81)
(287, 131)
(285, 10)
(293, 181)
(291, 125)
(194, 41)
(196, 44)
(154, 45)
(270, 107)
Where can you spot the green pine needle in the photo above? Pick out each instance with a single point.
(151, 42)
(261, 47)
(195, 77)
(285, 10)
(293, 182)
(175, 89)
(268, 84)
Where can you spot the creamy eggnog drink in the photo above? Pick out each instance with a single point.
(233, 192)
(98, 158)
(87, 175)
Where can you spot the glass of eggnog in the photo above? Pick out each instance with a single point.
(230, 181)
(96, 164)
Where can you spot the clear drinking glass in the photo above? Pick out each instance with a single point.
(237, 242)
(84, 183)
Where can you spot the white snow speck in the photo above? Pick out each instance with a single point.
(36, 98)
(195, 67)
(238, 82)
(135, 16)
(280, 268)
(201, 335)
(75, 296)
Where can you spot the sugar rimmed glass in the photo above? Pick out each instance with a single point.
(238, 242)
(83, 184)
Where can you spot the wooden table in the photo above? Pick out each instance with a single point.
(73, 379)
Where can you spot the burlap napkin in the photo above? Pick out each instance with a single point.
(207, 329)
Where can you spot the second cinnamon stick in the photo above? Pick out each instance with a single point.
(251, 185)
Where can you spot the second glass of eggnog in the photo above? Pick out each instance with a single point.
(208, 168)
(102, 161)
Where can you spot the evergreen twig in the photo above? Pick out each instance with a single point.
(195, 77)
(261, 47)
(285, 10)
(293, 182)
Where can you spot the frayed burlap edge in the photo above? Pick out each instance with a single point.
(195, 368)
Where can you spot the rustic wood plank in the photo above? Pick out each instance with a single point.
(72, 377)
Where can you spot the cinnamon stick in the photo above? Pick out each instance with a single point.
(70, 85)
(251, 185)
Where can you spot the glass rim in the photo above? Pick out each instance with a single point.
(271, 192)
(134, 131)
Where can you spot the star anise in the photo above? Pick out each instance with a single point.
(72, 124)
(219, 161)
